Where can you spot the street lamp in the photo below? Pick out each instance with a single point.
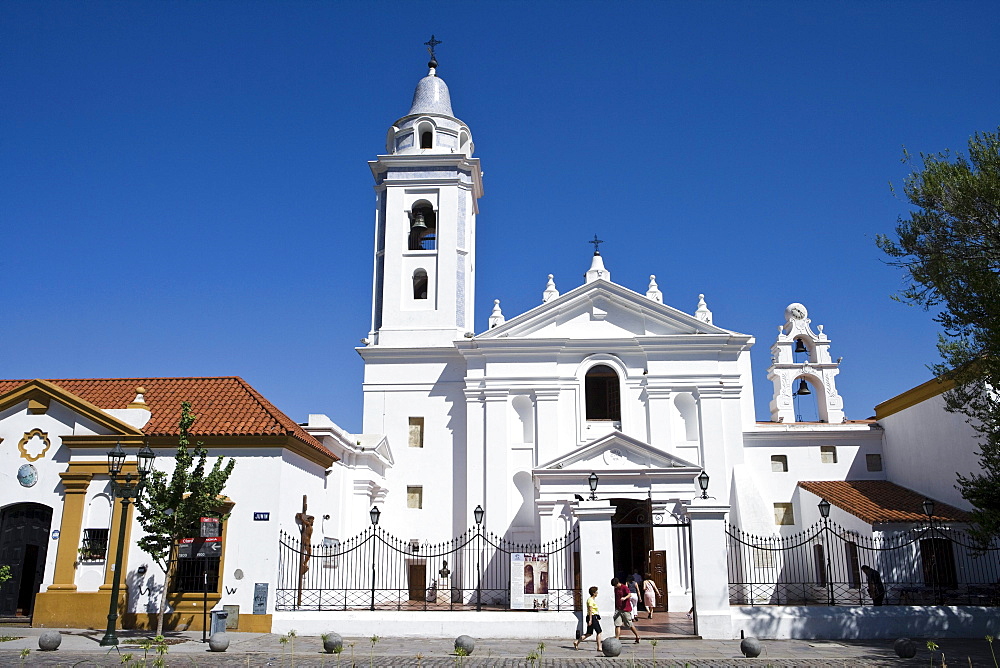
(478, 514)
(928, 508)
(126, 490)
(592, 481)
(824, 511)
(703, 483)
(374, 514)
(824, 508)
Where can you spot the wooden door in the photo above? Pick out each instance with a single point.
(24, 538)
(418, 582)
(658, 567)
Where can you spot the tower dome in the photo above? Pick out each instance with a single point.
(431, 97)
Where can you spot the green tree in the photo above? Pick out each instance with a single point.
(949, 248)
(171, 508)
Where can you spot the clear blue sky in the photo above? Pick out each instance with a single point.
(184, 187)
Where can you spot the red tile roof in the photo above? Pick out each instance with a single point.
(224, 406)
(877, 501)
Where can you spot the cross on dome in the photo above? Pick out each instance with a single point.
(430, 44)
(597, 244)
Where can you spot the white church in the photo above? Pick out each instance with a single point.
(602, 418)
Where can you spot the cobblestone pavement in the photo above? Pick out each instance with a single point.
(80, 649)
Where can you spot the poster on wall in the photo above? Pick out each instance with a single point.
(529, 581)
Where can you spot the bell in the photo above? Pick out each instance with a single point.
(800, 347)
(803, 388)
(418, 221)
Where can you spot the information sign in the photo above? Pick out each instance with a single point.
(260, 598)
(529, 581)
(211, 527)
(194, 548)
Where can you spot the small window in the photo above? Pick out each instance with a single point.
(415, 497)
(95, 545)
(779, 463)
(783, 514)
(426, 139)
(416, 432)
(874, 462)
(828, 454)
(420, 284)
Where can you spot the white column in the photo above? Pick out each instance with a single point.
(498, 483)
(660, 413)
(596, 558)
(475, 469)
(547, 446)
(711, 573)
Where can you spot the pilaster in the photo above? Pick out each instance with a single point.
(497, 483)
(710, 579)
(75, 486)
(596, 555)
(660, 415)
(546, 424)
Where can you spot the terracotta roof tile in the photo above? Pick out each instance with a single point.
(225, 406)
(878, 501)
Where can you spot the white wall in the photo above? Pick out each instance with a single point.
(925, 446)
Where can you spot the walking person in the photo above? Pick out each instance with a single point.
(623, 610)
(875, 587)
(633, 596)
(593, 622)
(650, 592)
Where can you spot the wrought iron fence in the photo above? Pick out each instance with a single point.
(376, 570)
(824, 565)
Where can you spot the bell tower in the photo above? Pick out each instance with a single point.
(813, 373)
(428, 186)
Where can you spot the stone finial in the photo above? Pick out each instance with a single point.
(654, 291)
(550, 291)
(140, 399)
(496, 318)
(597, 270)
(703, 313)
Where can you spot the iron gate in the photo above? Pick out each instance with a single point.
(376, 570)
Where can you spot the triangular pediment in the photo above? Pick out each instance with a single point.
(616, 451)
(601, 310)
(42, 391)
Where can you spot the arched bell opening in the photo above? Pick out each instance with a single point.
(423, 227)
(803, 350)
(809, 398)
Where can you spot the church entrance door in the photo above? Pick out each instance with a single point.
(631, 536)
(24, 540)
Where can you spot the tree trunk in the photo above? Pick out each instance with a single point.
(163, 597)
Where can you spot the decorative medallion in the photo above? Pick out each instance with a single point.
(27, 475)
(34, 445)
(613, 456)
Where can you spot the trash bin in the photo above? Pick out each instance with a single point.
(219, 618)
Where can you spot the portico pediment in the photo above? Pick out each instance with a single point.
(601, 310)
(617, 452)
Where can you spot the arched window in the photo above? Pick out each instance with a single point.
(423, 227)
(603, 395)
(420, 284)
(426, 139)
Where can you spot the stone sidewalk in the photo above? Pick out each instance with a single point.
(80, 649)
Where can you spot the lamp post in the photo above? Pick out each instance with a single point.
(928, 508)
(478, 513)
(824, 511)
(592, 481)
(703, 483)
(374, 514)
(126, 491)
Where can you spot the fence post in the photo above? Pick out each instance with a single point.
(710, 573)
(596, 556)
